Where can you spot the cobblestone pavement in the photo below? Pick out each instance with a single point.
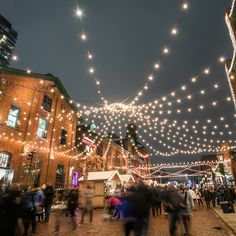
(204, 223)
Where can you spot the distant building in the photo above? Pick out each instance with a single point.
(8, 37)
(110, 152)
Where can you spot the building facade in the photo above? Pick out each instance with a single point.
(111, 152)
(8, 37)
(37, 130)
(230, 68)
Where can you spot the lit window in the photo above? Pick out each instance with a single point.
(47, 103)
(42, 128)
(13, 116)
(63, 137)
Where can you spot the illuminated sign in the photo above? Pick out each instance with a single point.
(89, 142)
(75, 179)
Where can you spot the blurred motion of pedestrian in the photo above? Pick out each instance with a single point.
(207, 196)
(11, 209)
(32, 199)
(87, 206)
(48, 200)
(186, 209)
(127, 211)
(73, 200)
(199, 197)
(114, 206)
(173, 203)
(40, 204)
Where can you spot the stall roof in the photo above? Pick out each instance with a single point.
(101, 175)
(126, 178)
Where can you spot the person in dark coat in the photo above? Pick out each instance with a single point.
(10, 210)
(173, 203)
(48, 200)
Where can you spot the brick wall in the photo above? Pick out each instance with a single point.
(27, 92)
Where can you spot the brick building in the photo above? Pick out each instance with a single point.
(230, 67)
(111, 152)
(37, 129)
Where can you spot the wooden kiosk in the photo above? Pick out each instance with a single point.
(104, 183)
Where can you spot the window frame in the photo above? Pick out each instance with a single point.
(45, 104)
(42, 131)
(16, 117)
(63, 139)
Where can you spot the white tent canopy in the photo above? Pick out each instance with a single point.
(101, 175)
(127, 178)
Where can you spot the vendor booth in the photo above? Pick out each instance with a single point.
(127, 180)
(104, 184)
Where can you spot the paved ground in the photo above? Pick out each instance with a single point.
(228, 218)
(205, 223)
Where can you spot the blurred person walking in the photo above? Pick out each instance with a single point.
(173, 203)
(88, 196)
(72, 204)
(48, 200)
(11, 210)
(186, 210)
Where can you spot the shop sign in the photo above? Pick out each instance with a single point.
(75, 179)
(89, 142)
(5, 158)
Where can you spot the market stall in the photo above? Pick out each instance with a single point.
(104, 184)
(127, 180)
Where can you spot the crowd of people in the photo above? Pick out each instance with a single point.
(134, 205)
(21, 209)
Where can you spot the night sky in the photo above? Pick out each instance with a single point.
(127, 38)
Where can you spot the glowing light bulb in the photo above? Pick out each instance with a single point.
(194, 80)
(232, 77)
(14, 58)
(157, 66)
(174, 31)
(202, 91)
(91, 70)
(165, 50)
(28, 71)
(79, 12)
(207, 71)
(97, 82)
(185, 6)
(90, 56)
(222, 59)
(150, 77)
(83, 37)
(183, 87)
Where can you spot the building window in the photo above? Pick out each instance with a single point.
(42, 128)
(5, 159)
(59, 176)
(47, 103)
(63, 137)
(13, 116)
